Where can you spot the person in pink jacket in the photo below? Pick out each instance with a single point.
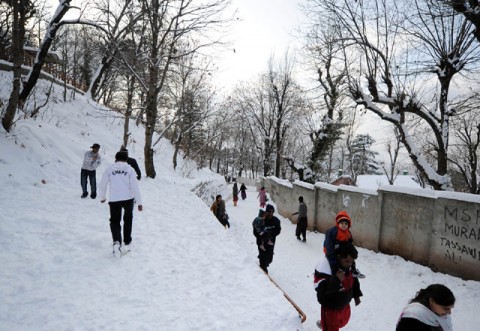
(262, 196)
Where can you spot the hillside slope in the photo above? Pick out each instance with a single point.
(185, 272)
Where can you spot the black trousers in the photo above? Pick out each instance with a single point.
(224, 221)
(265, 256)
(116, 217)
(301, 228)
(91, 176)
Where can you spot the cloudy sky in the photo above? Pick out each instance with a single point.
(261, 28)
(264, 27)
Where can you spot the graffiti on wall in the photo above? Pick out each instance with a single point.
(346, 200)
(461, 234)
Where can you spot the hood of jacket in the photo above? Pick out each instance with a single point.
(343, 215)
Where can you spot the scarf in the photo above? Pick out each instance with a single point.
(343, 235)
(423, 314)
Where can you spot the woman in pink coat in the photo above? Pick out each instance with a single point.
(262, 195)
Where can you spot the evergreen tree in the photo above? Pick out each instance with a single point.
(323, 140)
(362, 157)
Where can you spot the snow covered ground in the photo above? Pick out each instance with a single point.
(185, 271)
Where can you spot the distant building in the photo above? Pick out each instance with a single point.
(343, 180)
(52, 59)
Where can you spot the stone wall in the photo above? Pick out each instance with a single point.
(440, 230)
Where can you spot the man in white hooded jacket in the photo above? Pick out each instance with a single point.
(124, 192)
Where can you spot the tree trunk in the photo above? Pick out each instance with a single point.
(151, 118)
(18, 37)
(97, 81)
(278, 156)
(444, 126)
(175, 154)
(54, 25)
(128, 111)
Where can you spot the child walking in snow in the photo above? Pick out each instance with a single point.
(243, 191)
(340, 233)
(262, 196)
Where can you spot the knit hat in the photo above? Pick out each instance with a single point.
(261, 212)
(343, 216)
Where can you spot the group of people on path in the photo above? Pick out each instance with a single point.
(243, 192)
(336, 277)
(121, 180)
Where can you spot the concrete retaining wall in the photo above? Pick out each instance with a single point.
(440, 230)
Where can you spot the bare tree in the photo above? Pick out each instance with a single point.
(326, 56)
(6, 13)
(270, 106)
(470, 9)
(286, 102)
(54, 24)
(168, 22)
(250, 99)
(393, 150)
(22, 11)
(118, 19)
(192, 98)
(377, 30)
(465, 148)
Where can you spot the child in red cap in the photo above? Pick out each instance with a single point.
(336, 235)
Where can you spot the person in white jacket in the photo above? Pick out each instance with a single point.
(123, 193)
(91, 161)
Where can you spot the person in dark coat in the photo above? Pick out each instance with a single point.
(243, 191)
(429, 310)
(218, 209)
(259, 226)
(302, 221)
(132, 162)
(235, 194)
(335, 290)
(270, 229)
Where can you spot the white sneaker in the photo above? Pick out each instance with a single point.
(126, 248)
(117, 249)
